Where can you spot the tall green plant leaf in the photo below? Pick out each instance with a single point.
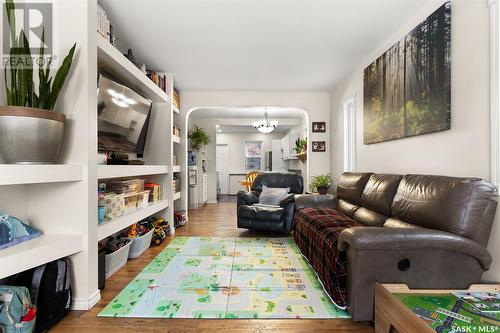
(28, 77)
(60, 77)
(11, 18)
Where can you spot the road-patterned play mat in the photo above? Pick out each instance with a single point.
(210, 277)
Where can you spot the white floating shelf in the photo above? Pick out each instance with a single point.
(176, 109)
(13, 174)
(38, 251)
(176, 139)
(114, 61)
(176, 168)
(110, 227)
(177, 195)
(118, 171)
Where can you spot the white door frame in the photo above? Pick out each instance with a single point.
(349, 109)
(228, 159)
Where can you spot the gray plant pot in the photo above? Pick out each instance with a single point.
(30, 135)
(323, 189)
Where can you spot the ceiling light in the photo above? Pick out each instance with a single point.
(219, 131)
(217, 125)
(265, 125)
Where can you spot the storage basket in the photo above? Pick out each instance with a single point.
(117, 259)
(142, 199)
(140, 244)
(114, 205)
(130, 202)
(126, 186)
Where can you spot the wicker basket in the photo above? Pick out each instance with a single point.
(140, 244)
(117, 259)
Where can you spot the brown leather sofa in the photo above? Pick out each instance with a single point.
(423, 231)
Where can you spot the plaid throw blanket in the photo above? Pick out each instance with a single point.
(317, 231)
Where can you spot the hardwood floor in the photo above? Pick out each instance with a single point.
(211, 220)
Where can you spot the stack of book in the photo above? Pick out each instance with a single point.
(177, 99)
(159, 79)
(104, 26)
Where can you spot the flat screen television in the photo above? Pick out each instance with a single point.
(123, 117)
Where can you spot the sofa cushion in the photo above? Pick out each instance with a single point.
(456, 205)
(261, 212)
(379, 192)
(273, 195)
(347, 208)
(274, 179)
(369, 217)
(351, 186)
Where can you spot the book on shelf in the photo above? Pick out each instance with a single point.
(159, 79)
(104, 26)
(177, 99)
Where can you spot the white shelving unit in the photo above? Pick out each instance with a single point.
(11, 174)
(176, 109)
(120, 171)
(176, 168)
(44, 194)
(110, 227)
(113, 60)
(37, 252)
(177, 195)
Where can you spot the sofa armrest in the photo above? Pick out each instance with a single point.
(315, 201)
(288, 199)
(378, 238)
(247, 198)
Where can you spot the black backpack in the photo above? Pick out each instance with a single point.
(50, 289)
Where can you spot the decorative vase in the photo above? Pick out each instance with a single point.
(30, 135)
(323, 189)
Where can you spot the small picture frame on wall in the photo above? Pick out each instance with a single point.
(319, 146)
(319, 127)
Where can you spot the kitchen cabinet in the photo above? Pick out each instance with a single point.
(288, 145)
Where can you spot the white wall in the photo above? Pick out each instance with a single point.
(236, 143)
(462, 151)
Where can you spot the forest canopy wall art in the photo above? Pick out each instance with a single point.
(407, 90)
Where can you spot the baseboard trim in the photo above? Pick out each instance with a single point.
(212, 201)
(83, 304)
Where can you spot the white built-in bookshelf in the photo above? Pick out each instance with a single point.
(61, 200)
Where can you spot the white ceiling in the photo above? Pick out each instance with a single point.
(248, 113)
(249, 129)
(244, 45)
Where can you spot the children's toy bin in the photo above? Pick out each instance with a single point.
(117, 259)
(140, 244)
(142, 199)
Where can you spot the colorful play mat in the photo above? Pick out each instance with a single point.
(211, 277)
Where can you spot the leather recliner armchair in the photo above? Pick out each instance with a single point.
(269, 218)
(428, 232)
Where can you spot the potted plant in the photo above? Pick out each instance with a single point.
(300, 145)
(322, 183)
(199, 137)
(31, 132)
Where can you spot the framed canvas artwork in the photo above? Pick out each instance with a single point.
(319, 127)
(407, 90)
(318, 146)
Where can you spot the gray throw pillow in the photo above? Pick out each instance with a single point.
(272, 195)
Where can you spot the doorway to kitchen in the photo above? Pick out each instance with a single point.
(222, 167)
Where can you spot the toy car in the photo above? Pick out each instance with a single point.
(162, 229)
